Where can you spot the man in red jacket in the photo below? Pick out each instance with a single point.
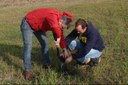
(38, 22)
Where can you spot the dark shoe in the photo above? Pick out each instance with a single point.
(27, 75)
(94, 61)
(47, 66)
(86, 63)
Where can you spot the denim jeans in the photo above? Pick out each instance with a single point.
(93, 53)
(27, 34)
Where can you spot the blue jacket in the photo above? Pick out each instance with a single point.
(90, 39)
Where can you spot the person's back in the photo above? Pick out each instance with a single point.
(93, 33)
(38, 18)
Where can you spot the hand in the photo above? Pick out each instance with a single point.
(69, 59)
(57, 44)
(62, 54)
(66, 53)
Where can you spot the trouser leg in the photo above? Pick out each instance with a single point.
(27, 33)
(41, 36)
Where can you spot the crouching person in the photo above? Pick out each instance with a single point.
(84, 43)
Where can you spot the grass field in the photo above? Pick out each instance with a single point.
(109, 16)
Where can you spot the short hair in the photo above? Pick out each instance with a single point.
(67, 20)
(81, 22)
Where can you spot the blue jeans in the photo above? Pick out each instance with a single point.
(27, 34)
(93, 53)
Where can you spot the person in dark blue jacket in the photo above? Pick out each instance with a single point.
(87, 41)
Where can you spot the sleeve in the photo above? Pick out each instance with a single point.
(71, 36)
(62, 42)
(54, 24)
(91, 40)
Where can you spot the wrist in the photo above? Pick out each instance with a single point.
(58, 39)
(64, 49)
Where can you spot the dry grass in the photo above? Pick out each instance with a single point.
(8, 3)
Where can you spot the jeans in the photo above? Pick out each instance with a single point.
(27, 34)
(93, 53)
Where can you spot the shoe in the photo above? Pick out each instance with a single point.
(89, 59)
(47, 66)
(27, 74)
(94, 61)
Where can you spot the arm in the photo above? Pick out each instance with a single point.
(57, 42)
(71, 36)
(57, 32)
(68, 39)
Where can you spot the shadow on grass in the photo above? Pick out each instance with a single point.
(12, 55)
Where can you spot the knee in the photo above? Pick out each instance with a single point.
(72, 45)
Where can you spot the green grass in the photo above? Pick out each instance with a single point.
(109, 16)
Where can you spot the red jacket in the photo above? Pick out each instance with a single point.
(45, 19)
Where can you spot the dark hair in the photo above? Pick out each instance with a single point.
(67, 20)
(81, 22)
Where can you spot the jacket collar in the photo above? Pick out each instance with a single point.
(89, 28)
